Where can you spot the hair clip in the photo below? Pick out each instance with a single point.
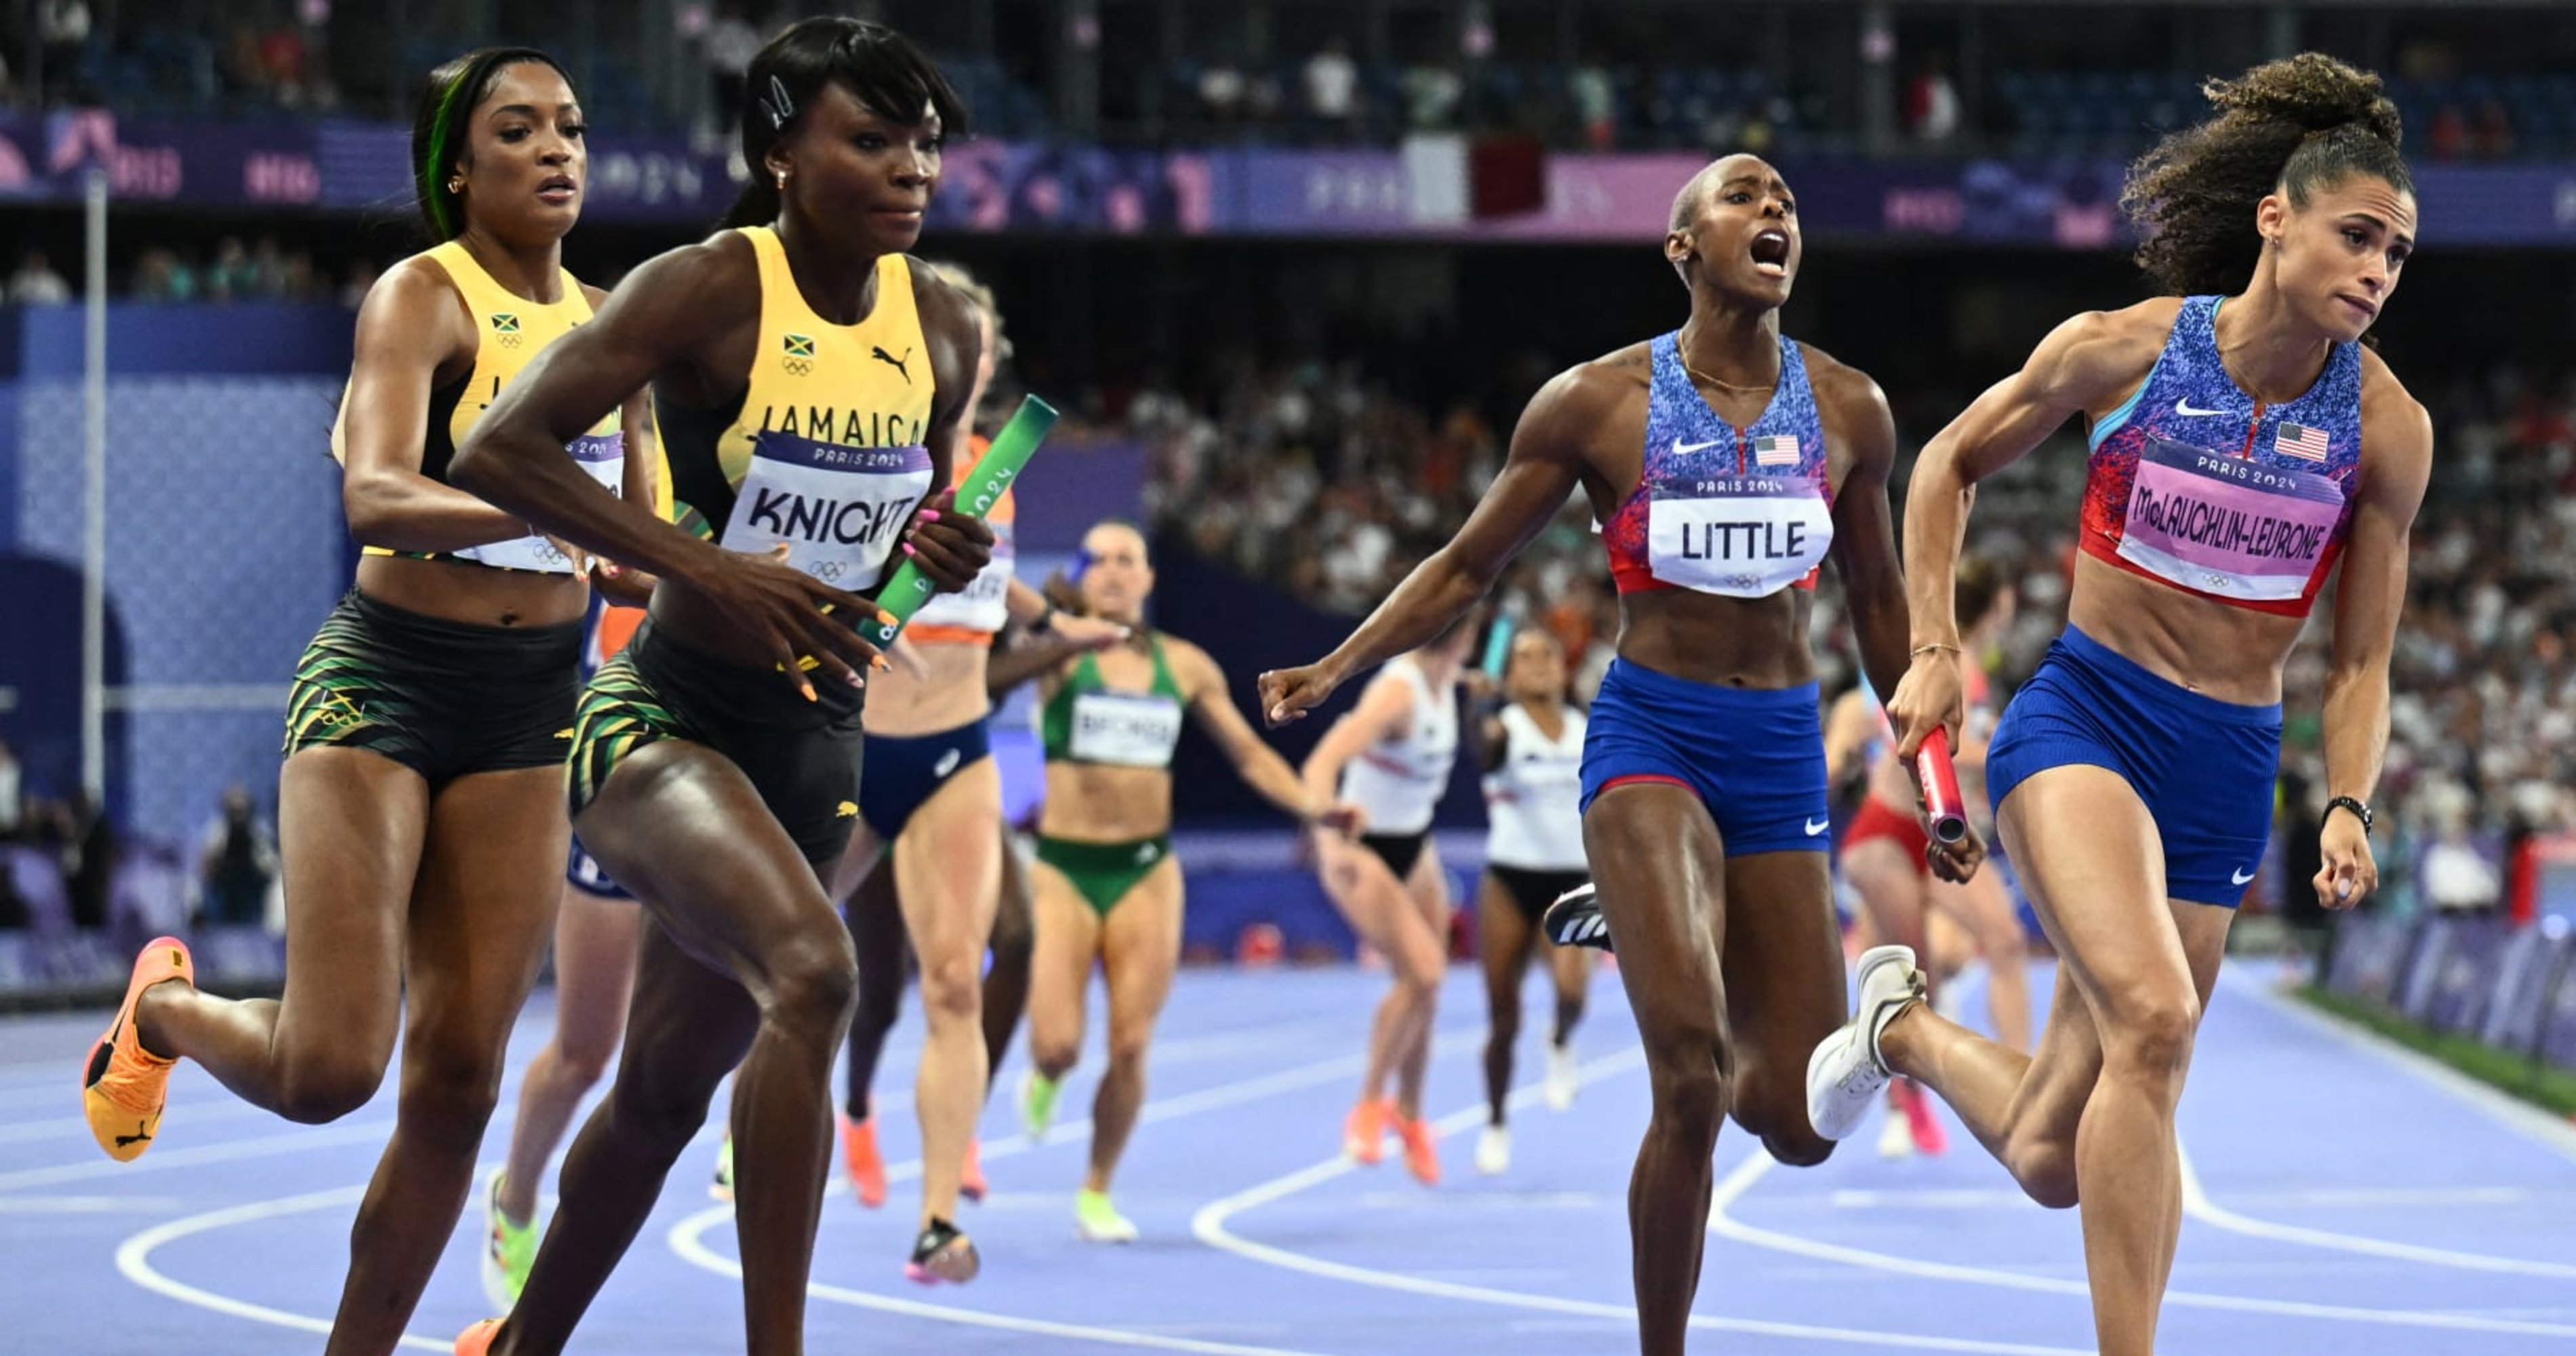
(781, 109)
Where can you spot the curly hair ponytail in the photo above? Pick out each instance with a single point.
(2298, 125)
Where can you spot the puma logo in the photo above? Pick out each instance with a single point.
(141, 1135)
(901, 364)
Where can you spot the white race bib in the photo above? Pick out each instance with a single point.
(983, 605)
(1126, 728)
(603, 456)
(840, 510)
(1737, 536)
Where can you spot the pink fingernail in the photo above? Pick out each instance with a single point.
(907, 549)
(930, 515)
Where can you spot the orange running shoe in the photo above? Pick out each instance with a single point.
(124, 1086)
(970, 1184)
(1364, 1133)
(477, 1340)
(1421, 1151)
(859, 1155)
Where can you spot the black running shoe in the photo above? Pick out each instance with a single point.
(942, 1253)
(1575, 919)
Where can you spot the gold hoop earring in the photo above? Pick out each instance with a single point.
(456, 185)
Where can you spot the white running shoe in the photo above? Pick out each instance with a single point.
(1494, 1151)
(1562, 1078)
(1846, 1073)
(1895, 1137)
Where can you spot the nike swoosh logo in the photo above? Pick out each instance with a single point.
(1817, 826)
(1683, 449)
(2183, 407)
(2241, 878)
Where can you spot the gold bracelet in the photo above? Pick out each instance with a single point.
(1921, 650)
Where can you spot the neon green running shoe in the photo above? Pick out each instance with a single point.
(1037, 1102)
(721, 1189)
(510, 1253)
(1095, 1220)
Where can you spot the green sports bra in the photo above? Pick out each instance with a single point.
(1087, 721)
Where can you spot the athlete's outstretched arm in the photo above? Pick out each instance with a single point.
(1385, 711)
(2078, 367)
(1203, 688)
(950, 547)
(644, 483)
(1864, 549)
(1545, 465)
(664, 318)
(2396, 462)
(410, 324)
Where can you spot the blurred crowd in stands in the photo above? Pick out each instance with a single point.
(1608, 80)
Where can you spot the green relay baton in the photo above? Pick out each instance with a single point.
(904, 594)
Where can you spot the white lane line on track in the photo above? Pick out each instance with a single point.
(134, 1262)
(2310, 1198)
(2196, 1204)
(2514, 1114)
(1210, 1225)
(88, 1205)
(687, 1238)
(133, 1256)
(1741, 1180)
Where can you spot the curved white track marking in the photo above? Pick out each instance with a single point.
(134, 1260)
(1209, 1225)
(2513, 1113)
(2196, 1204)
(688, 1240)
(1752, 1168)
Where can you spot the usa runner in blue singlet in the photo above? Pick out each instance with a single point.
(2245, 445)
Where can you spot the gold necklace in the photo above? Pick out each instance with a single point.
(1771, 385)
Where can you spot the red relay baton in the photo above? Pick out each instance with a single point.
(1940, 787)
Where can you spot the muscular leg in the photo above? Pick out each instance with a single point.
(877, 933)
(689, 1026)
(1571, 967)
(1427, 890)
(595, 942)
(1785, 993)
(1891, 890)
(1984, 908)
(1068, 945)
(1661, 868)
(1140, 946)
(2090, 1115)
(1503, 936)
(947, 870)
(1386, 916)
(1006, 983)
(479, 917)
(350, 824)
(743, 951)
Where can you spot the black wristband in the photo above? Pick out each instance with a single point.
(2359, 811)
(1045, 621)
